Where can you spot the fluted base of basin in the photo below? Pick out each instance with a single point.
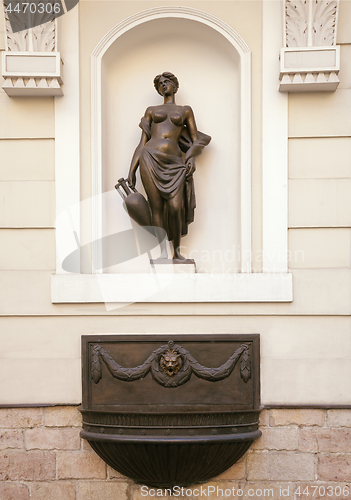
(165, 465)
(167, 450)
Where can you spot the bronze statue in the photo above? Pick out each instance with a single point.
(167, 131)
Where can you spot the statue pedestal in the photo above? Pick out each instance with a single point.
(169, 266)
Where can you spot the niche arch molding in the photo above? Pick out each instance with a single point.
(240, 46)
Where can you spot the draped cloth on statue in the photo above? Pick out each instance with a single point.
(168, 173)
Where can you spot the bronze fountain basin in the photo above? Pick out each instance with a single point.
(170, 410)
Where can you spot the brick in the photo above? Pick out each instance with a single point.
(15, 418)
(57, 490)
(325, 440)
(63, 416)
(113, 474)
(280, 466)
(297, 417)
(11, 439)
(14, 491)
(27, 465)
(308, 440)
(85, 445)
(276, 439)
(264, 418)
(339, 418)
(80, 465)
(50, 439)
(334, 467)
(236, 471)
(269, 491)
(106, 490)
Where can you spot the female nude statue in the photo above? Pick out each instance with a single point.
(167, 130)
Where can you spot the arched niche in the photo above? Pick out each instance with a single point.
(213, 65)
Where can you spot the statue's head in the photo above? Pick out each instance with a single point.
(166, 76)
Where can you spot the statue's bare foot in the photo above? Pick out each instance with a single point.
(178, 256)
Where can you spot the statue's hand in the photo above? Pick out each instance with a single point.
(190, 167)
(132, 178)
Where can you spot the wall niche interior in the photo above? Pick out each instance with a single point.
(208, 69)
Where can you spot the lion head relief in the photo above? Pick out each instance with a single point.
(171, 362)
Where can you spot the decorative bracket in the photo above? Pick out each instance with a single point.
(310, 60)
(31, 64)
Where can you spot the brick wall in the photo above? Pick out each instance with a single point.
(43, 458)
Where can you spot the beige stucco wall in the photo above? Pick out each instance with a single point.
(305, 344)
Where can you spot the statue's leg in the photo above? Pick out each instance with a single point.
(156, 203)
(175, 211)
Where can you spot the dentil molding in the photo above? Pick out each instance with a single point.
(310, 59)
(31, 63)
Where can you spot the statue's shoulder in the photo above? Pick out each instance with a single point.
(149, 110)
(188, 111)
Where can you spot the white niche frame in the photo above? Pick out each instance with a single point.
(275, 283)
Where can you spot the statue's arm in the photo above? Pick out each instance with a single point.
(192, 129)
(190, 124)
(199, 141)
(136, 156)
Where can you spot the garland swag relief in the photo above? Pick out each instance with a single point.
(171, 366)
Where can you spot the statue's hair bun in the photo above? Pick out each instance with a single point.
(170, 77)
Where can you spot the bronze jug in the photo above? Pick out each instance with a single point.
(135, 204)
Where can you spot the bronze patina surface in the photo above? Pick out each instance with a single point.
(168, 131)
